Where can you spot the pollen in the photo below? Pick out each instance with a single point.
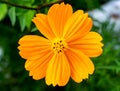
(59, 45)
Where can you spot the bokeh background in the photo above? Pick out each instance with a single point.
(16, 22)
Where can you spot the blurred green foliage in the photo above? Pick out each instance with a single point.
(16, 22)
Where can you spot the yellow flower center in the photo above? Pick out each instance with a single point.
(59, 45)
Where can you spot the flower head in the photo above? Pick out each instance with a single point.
(67, 48)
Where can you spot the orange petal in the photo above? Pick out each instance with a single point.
(37, 65)
(31, 45)
(81, 65)
(58, 72)
(90, 44)
(41, 23)
(58, 14)
(37, 51)
(77, 26)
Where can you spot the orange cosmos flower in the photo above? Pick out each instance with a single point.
(65, 51)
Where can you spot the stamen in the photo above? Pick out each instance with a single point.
(59, 45)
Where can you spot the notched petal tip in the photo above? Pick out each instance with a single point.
(19, 42)
(58, 71)
(101, 44)
(62, 3)
(90, 22)
(80, 12)
(18, 47)
(100, 52)
(22, 55)
(23, 38)
(98, 36)
(53, 7)
(34, 20)
(81, 67)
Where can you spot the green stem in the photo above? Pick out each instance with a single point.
(29, 8)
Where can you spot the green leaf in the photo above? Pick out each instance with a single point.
(34, 29)
(12, 15)
(3, 11)
(25, 19)
(28, 17)
(22, 22)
